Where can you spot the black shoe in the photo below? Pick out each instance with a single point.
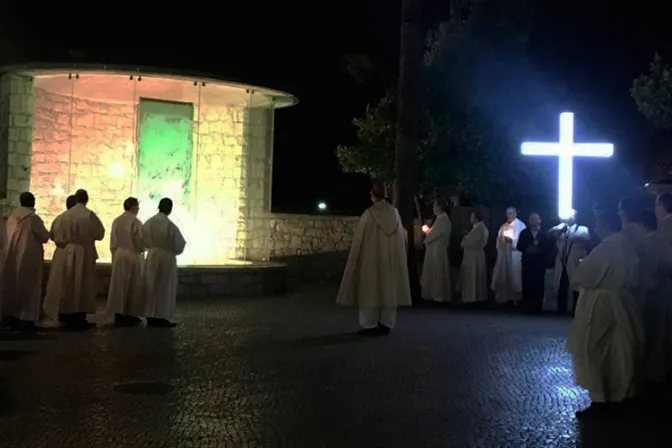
(121, 320)
(383, 330)
(160, 323)
(368, 331)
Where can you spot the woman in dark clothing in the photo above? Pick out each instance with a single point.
(536, 247)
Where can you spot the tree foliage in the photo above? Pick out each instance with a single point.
(652, 93)
(373, 154)
(465, 145)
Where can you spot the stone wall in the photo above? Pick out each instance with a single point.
(75, 142)
(16, 121)
(314, 247)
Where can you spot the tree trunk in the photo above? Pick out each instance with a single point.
(408, 115)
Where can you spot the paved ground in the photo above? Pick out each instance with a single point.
(286, 372)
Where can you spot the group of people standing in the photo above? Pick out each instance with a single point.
(524, 253)
(139, 287)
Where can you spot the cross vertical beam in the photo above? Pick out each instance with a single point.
(565, 150)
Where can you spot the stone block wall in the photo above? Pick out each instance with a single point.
(16, 126)
(77, 144)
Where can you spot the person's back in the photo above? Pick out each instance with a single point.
(61, 233)
(78, 230)
(380, 252)
(164, 242)
(24, 263)
(606, 339)
(376, 275)
(124, 298)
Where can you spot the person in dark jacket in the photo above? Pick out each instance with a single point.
(536, 247)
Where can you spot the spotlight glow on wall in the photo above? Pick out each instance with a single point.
(565, 150)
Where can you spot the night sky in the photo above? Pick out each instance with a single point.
(594, 52)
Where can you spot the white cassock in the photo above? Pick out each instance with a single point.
(658, 309)
(164, 243)
(125, 295)
(21, 277)
(606, 338)
(648, 261)
(376, 274)
(474, 271)
(507, 276)
(571, 248)
(435, 280)
(72, 286)
(55, 291)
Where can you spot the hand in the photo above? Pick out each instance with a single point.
(508, 240)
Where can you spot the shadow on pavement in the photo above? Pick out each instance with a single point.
(7, 404)
(13, 355)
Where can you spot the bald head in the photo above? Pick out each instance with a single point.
(534, 220)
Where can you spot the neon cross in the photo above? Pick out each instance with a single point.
(565, 150)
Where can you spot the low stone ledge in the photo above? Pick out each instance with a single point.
(212, 282)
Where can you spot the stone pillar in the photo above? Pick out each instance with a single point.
(16, 132)
(258, 166)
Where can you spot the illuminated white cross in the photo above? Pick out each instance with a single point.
(565, 150)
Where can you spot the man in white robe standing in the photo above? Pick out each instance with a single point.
(507, 275)
(52, 300)
(376, 274)
(658, 311)
(571, 239)
(606, 338)
(631, 214)
(164, 242)
(76, 285)
(125, 298)
(21, 278)
(435, 279)
(474, 271)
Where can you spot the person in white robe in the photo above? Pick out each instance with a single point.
(164, 242)
(658, 311)
(75, 284)
(376, 273)
(125, 298)
(631, 213)
(52, 298)
(474, 271)
(571, 239)
(21, 278)
(435, 279)
(606, 338)
(507, 274)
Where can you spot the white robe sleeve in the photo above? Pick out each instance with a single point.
(176, 239)
(136, 236)
(475, 239)
(114, 244)
(39, 230)
(344, 296)
(97, 228)
(440, 231)
(592, 269)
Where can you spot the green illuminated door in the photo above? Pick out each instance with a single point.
(165, 148)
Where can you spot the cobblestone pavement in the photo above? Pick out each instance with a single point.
(287, 372)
